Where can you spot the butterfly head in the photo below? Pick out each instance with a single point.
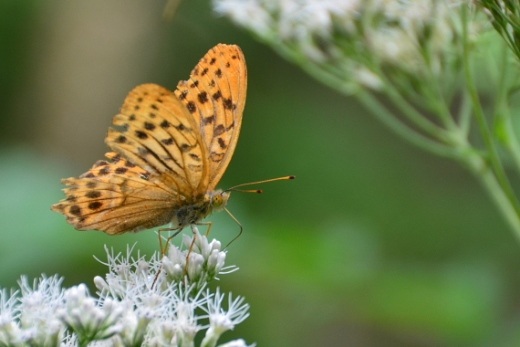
(218, 199)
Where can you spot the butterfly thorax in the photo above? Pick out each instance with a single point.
(193, 213)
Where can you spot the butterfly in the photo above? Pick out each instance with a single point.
(169, 151)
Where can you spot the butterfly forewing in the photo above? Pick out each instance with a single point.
(160, 135)
(215, 95)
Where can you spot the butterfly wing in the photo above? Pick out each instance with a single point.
(115, 196)
(215, 95)
(160, 164)
(159, 135)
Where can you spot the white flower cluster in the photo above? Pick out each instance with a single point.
(160, 302)
(353, 38)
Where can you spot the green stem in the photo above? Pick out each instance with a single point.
(482, 172)
(411, 112)
(486, 134)
(451, 144)
(373, 104)
(512, 142)
(334, 79)
(416, 117)
(499, 185)
(502, 111)
(382, 114)
(464, 114)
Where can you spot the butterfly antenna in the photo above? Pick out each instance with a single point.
(234, 188)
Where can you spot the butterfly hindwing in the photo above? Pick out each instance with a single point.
(112, 197)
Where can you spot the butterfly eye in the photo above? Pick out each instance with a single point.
(218, 201)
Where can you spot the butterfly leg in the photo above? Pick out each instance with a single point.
(195, 231)
(208, 224)
(239, 225)
(164, 250)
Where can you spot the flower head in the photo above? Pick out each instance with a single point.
(91, 319)
(354, 41)
(222, 320)
(140, 302)
(200, 261)
(10, 331)
(37, 310)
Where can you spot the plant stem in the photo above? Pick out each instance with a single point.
(485, 175)
(382, 113)
(502, 114)
(487, 137)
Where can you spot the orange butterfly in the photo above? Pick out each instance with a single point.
(170, 150)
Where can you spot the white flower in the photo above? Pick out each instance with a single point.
(185, 302)
(335, 38)
(367, 78)
(221, 320)
(248, 13)
(37, 306)
(89, 320)
(177, 322)
(134, 322)
(10, 332)
(201, 261)
(137, 305)
(126, 272)
(393, 46)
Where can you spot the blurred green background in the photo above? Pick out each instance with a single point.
(374, 244)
